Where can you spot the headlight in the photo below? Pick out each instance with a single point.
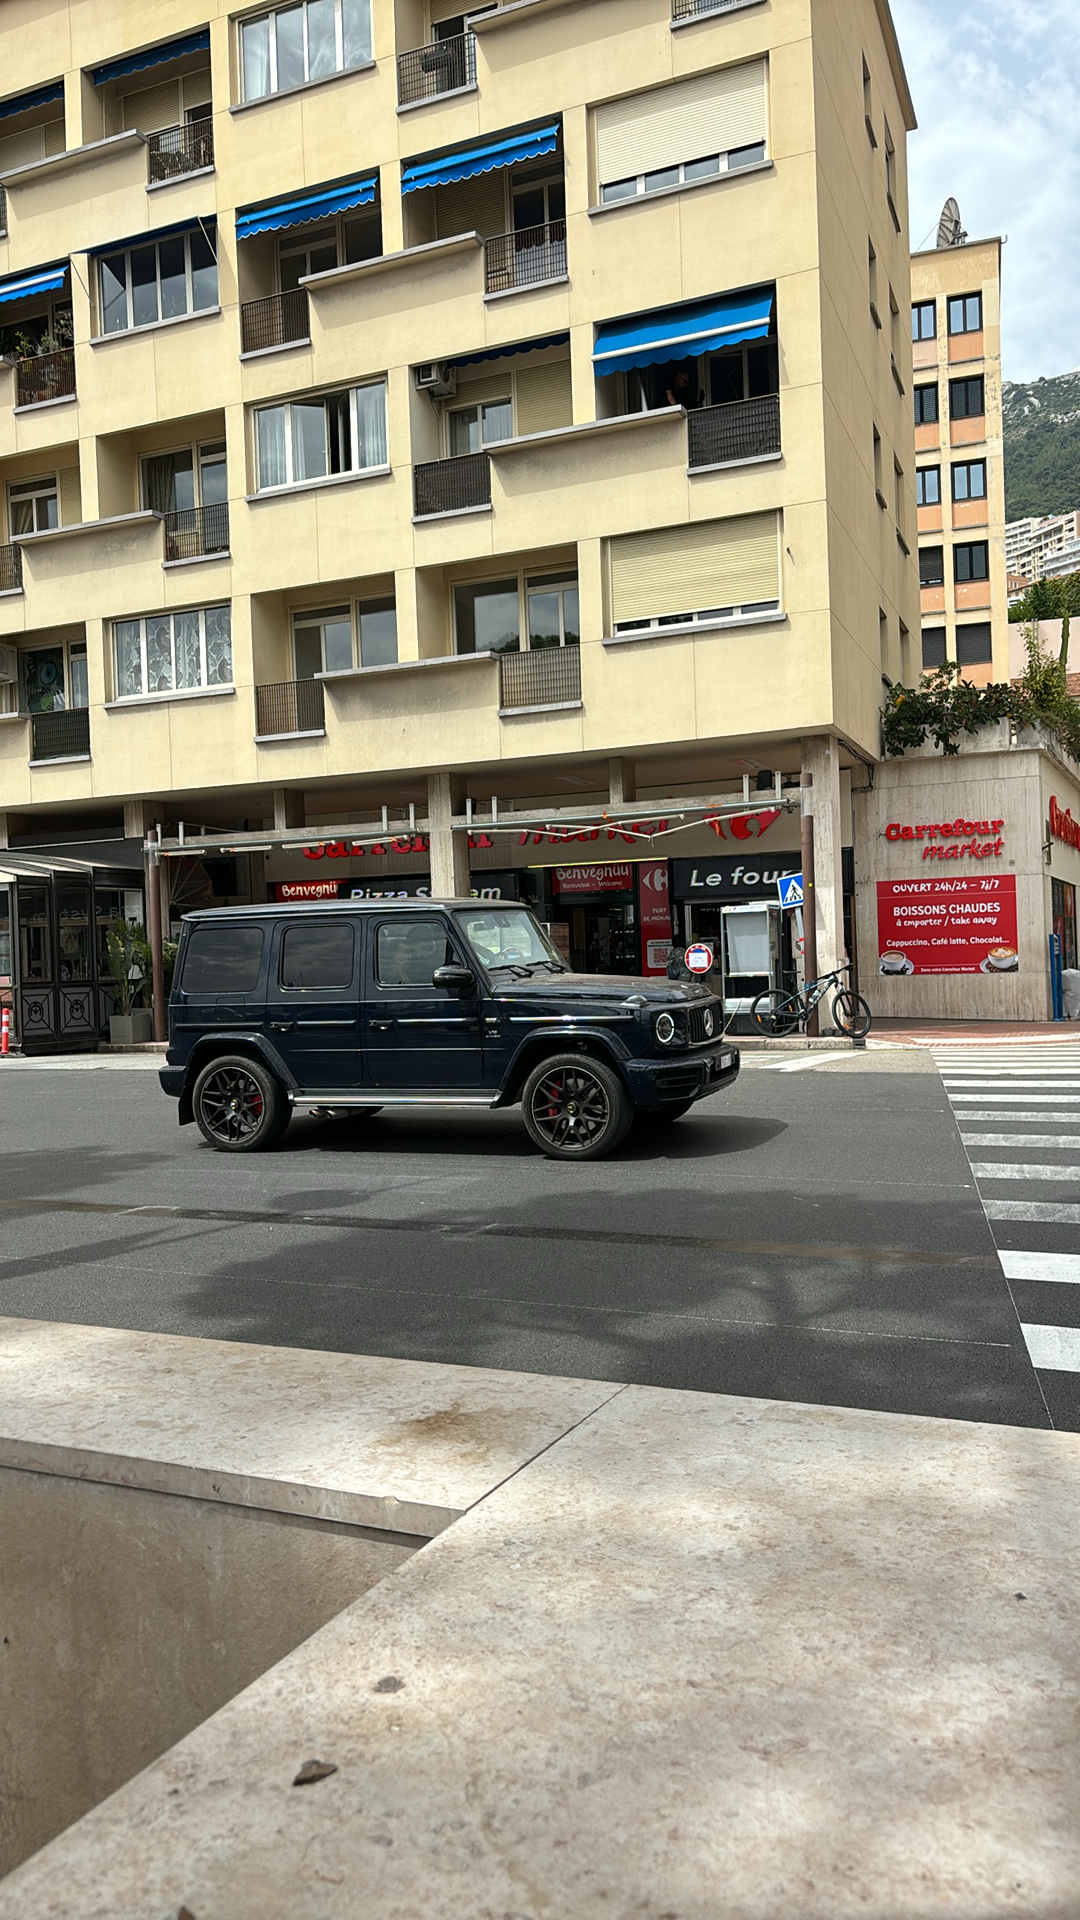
(665, 1029)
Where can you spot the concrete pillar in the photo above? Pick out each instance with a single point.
(621, 788)
(450, 878)
(4, 830)
(289, 809)
(821, 758)
(136, 819)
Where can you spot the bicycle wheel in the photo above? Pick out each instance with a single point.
(851, 1013)
(774, 1014)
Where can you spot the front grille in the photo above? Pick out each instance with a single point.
(696, 1032)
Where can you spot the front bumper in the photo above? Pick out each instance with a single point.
(172, 1081)
(684, 1076)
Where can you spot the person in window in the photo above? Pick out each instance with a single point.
(677, 386)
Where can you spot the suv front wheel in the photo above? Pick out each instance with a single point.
(239, 1106)
(575, 1107)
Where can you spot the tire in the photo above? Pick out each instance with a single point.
(851, 1013)
(575, 1107)
(774, 1014)
(239, 1106)
(663, 1116)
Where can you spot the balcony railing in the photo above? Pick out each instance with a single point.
(742, 430)
(279, 321)
(545, 677)
(443, 67)
(196, 531)
(290, 706)
(695, 9)
(452, 486)
(178, 150)
(521, 259)
(48, 376)
(60, 735)
(10, 569)
(3, 211)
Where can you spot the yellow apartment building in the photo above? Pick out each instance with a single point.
(448, 451)
(960, 468)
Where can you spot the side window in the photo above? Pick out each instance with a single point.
(407, 952)
(317, 953)
(224, 959)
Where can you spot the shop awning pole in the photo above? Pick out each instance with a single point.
(152, 853)
(806, 783)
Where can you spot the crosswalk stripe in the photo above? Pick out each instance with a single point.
(1061, 1269)
(1055, 1348)
(1059, 1141)
(1011, 1118)
(1049, 1213)
(1009, 1099)
(1024, 1170)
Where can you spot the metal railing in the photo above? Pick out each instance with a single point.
(195, 531)
(692, 9)
(742, 430)
(290, 706)
(521, 259)
(442, 67)
(451, 486)
(61, 734)
(48, 376)
(278, 321)
(3, 211)
(10, 569)
(178, 150)
(545, 677)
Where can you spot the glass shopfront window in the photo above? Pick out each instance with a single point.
(35, 947)
(1063, 908)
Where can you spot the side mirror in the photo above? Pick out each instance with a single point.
(457, 979)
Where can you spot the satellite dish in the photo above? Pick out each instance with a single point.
(950, 233)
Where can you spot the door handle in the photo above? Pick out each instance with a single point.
(382, 1026)
(283, 1026)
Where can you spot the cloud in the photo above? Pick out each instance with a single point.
(997, 94)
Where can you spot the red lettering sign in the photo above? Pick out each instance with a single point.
(983, 838)
(1063, 826)
(306, 890)
(745, 826)
(947, 926)
(598, 879)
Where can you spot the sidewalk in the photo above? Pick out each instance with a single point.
(939, 1033)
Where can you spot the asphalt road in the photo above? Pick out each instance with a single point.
(812, 1235)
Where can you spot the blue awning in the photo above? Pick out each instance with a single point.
(303, 207)
(22, 102)
(505, 353)
(22, 285)
(506, 151)
(680, 333)
(152, 57)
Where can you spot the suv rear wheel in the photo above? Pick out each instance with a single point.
(239, 1106)
(575, 1107)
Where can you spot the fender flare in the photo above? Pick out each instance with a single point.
(225, 1042)
(559, 1040)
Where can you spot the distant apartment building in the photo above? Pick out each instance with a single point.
(1042, 549)
(959, 475)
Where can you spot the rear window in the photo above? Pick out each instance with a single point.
(318, 954)
(223, 960)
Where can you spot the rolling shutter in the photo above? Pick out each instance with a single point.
(22, 149)
(711, 113)
(70, 490)
(718, 563)
(152, 108)
(544, 399)
(472, 206)
(491, 386)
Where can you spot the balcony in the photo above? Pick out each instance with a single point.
(196, 532)
(10, 569)
(445, 66)
(62, 735)
(282, 320)
(526, 258)
(48, 376)
(701, 9)
(290, 706)
(544, 677)
(741, 430)
(457, 485)
(175, 151)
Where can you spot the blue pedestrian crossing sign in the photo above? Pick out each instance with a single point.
(790, 890)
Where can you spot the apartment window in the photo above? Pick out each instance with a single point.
(926, 406)
(189, 477)
(933, 648)
(969, 480)
(378, 631)
(173, 652)
(872, 277)
(967, 398)
(323, 639)
(33, 505)
(711, 572)
(898, 494)
(928, 487)
(974, 646)
(877, 467)
(552, 611)
(924, 320)
(931, 566)
(971, 561)
(487, 617)
(304, 440)
(684, 174)
(162, 280)
(690, 130)
(331, 243)
(468, 429)
(965, 313)
(292, 45)
(890, 169)
(868, 103)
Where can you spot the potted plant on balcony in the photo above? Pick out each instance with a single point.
(130, 1025)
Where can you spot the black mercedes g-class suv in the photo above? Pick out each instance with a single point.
(353, 1006)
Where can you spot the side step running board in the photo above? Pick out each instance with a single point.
(304, 1102)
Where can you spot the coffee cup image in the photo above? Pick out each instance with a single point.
(1003, 959)
(893, 961)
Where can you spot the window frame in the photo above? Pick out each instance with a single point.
(312, 618)
(356, 608)
(928, 386)
(919, 308)
(966, 466)
(291, 484)
(480, 408)
(985, 629)
(964, 300)
(558, 580)
(639, 190)
(199, 451)
(928, 666)
(970, 547)
(269, 15)
(924, 554)
(398, 928)
(335, 225)
(206, 231)
(922, 474)
(968, 380)
(45, 488)
(346, 925)
(173, 692)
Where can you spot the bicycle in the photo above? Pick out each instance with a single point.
(776, 1013)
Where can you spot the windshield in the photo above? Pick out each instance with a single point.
(509, 937)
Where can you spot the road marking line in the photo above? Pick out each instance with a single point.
(1055, 1348)
(1024, 1170)
(800, 1066)
(964, 1115)
(1010, 1099)
(1062, 1269)
(1057, 1140)
(1048, 1212)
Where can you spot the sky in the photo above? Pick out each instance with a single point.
(996, 86)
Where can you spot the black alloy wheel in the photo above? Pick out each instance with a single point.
(851, 1013)
(775, 1014)
(575, 1108)
(239, 1106)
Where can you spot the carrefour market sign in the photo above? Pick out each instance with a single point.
(953, 839)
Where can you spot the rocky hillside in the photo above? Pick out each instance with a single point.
(1042, 445)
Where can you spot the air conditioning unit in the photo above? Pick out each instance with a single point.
(438, 378)
(9, 664)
